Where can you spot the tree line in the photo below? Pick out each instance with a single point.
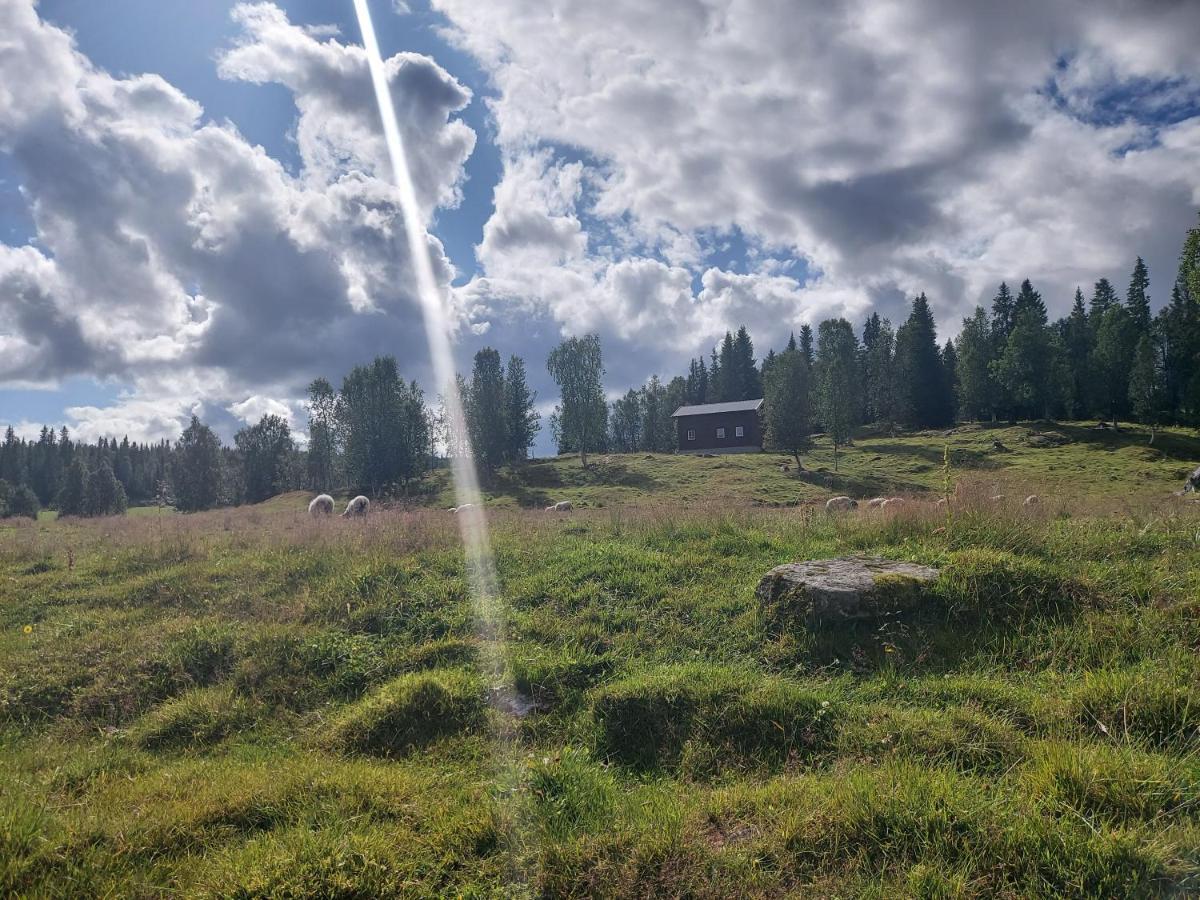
(1109, 358)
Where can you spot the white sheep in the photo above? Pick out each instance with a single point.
(1032, 500)
(321, 505)
(892, 502)
(561, 506)
(840, 504)
(876, 502)
(357, 508)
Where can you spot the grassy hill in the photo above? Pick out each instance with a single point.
(251, 703)
(1072, 460)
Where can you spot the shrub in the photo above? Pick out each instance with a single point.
(18, 502)
(199, 718)
(411, 711)
(708, 717)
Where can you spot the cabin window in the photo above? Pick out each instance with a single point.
(720, 432)
(691, 434)
(739, 431)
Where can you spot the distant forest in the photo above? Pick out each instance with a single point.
(1109, 358)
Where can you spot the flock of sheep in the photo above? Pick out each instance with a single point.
(845, 504)
(322, 505)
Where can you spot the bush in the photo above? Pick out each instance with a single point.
(18, 502)
(705, 717)
(409, 712)
(199, 718)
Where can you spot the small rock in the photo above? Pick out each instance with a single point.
(848, 587)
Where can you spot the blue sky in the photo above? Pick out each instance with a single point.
(654, 173)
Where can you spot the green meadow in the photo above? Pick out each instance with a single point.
(251, 703)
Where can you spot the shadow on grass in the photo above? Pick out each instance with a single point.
(860, 486)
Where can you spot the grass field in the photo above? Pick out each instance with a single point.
(250, 703)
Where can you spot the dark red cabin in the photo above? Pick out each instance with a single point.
(719, 427)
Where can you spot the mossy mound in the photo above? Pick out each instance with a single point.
(703, 718)
(409, 712)
(199, 718)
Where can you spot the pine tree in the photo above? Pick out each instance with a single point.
(521, 418)
(787, 404)
(749, 379)
(838, 381)
(806, 345)
(922, 401)
(1137, 300)
(1145, 386)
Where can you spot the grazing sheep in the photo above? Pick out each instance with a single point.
(876, 502)
(321, 505)
(357, 508)
(1032, 500)
(785, 468)
(892, 502)
(840, 504)
(563, 506)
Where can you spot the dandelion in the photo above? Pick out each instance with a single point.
(28, 629)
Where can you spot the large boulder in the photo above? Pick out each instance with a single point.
(845, 588)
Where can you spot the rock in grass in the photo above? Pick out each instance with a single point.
(410, 712)
(849, 587)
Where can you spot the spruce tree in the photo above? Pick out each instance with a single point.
(879, 374)
(975, 387)
(103, 494)
(838, 381)
(749, 380)
(1111, 360)
(1145, 385)
(72, 496)
(1077, 347)
(1002, 315)
(806, 345)
(1028, 305)
(1103, 297)
(950, 376)
(787, 404)
(196, 468)
(922, 401)
(1137, 300)
(521, 418)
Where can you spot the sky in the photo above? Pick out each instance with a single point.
(195, 216)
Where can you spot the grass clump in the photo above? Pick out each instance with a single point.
(705, 717)
(987, 584)
(298, 668)
(199, 718)
(1152, 705)
(409, 712)
(965, 738)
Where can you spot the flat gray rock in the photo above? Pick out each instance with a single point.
(847, 587)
